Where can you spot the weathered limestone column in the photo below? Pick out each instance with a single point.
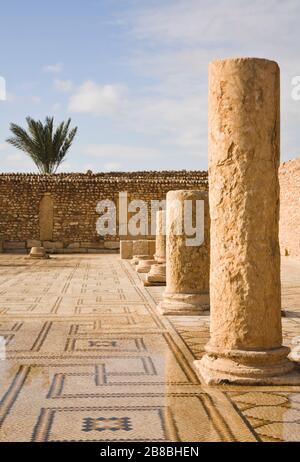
(246, 340)
(187, 272)
(157, 274)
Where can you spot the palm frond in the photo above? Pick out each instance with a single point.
(46, 147)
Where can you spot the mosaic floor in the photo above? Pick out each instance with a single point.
(87, 358)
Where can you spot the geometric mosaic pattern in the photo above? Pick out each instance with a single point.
(87, 358)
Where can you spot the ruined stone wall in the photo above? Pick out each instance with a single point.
(289, 226)
(60, 210)
(25, 220)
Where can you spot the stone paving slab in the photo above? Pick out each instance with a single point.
(89, 359)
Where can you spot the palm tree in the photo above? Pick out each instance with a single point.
(46, 147)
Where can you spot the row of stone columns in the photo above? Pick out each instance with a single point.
(245, 344)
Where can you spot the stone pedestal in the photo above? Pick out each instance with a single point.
(126, 248)
(144, 265)
(157, 273)
(139, 248)
(187, 272)
(143, 249)
(38, 252)
(245, 345)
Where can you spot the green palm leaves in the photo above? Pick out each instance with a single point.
(46, 147)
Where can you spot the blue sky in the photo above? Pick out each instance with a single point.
(133, 74)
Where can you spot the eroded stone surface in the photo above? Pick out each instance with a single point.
(143, 249)
(160, 237)
(144, 265)
(38, 252)
(126, 248)
(187, 271)
(157, 273)
(46, 218)
(75, 199)
(244, 208)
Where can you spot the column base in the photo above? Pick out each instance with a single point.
(184, 304)
(242, 367)
(144, 266)
(136, 259)
(159, 259)
(38, 252)
(156, 275)
(153, 284)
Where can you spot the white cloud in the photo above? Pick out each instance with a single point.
(22, 98)
(15, 157)
(56, 107)
(73, 166)
(112, 166)
(176, 41)
(120, 151)
(88, 166)
(2, 89)
(100, 100)
(16, 161)
(53, 68)
(64, 86)
(182, 121)
(35, 99)
(10, 97)
(2, 146)
(202, 22)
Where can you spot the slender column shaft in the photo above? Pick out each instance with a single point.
(187, 271)
(157, 273)
(246, 339)
(160, 239)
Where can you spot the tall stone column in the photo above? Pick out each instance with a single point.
(246, 341)
(187, 272)
(157, 274)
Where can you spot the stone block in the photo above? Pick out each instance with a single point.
(53, 245)
(126, 250)
(95, 250)
(33, 243)
(73, 245)
(14, 245)
(92, 245)
(112, 245)
(151, 247)
(140, 247)
(73, 250)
